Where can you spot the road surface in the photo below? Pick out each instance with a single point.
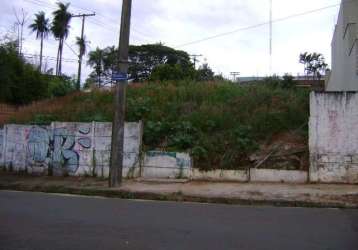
(34, 221)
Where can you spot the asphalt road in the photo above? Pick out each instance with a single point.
(52, 222)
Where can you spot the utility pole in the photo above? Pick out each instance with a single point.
(235, 74)
(195, 60)
(117, 149)
(80, 56)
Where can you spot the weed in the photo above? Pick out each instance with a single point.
(220, 124)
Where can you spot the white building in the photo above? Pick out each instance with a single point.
(344, 75)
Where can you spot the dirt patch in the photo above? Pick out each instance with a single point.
(285, 151)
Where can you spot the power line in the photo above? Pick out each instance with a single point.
(195, 59)
(96, 20)
(73, 51)
(258, 25)
(235, 74)
(27, 55)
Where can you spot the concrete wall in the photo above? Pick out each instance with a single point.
(344, 75)
(282, 176)
(166, 165)
(333, 137)
(220, 175)
(2, 142)
(76, 149)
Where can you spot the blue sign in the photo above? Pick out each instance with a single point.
(119, 76)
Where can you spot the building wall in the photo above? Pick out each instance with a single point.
(333, 137)
(344, 75)
(75, 149)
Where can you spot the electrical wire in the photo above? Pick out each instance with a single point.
(258, 25)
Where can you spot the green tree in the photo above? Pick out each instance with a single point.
(40, 25)
(287, 81)
(82, 48)
(20, 82)
(60, 29)
(314, 64)
(145, 58)
(205, 73)
(60, 85)
(96, 60)
(165, 72)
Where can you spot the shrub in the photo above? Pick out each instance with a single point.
(220, 124)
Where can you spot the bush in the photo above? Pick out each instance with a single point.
(21, 83)
(167, 72)
(60, 86)
(220, 124)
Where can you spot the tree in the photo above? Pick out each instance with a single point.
(82, 47)
(20, 82)
(165, 72)
(144, 59)
(205, 73)
(96, 60)
(60, 29)
(287, 81)
(314, 64)
(40, 25)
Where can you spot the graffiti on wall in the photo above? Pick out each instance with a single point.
(1, 147)
(66, 148)
(55, 147)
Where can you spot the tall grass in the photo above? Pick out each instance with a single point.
(220, 124)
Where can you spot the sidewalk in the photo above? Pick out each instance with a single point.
(332, 196)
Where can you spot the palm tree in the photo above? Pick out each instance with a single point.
(40, 25)
(82, 46)
(96, 60)
(60, 29)
(314, 64)
(305, 59)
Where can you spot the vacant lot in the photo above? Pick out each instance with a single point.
(222, 125)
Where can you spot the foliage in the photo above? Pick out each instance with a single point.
(82, 45)
(167, 72)
(96, 60)
(287, 81)
(60, 29)
(60, 86)
(220, 124)
(145, 59)
(40, 25)
(20, 82)
(314, 64)
(205, 73)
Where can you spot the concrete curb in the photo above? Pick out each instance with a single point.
(175, 197)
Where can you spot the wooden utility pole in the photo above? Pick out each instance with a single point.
(80, 56)
(117, 149)
(195, 60)
(270, 37)
(235, 74)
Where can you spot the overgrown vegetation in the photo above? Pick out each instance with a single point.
(22, 83)
(220, 124)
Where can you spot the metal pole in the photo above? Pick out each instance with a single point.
(120, 99)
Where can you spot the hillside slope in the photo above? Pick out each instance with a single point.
(221, 124)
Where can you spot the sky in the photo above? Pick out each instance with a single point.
(181, 24)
